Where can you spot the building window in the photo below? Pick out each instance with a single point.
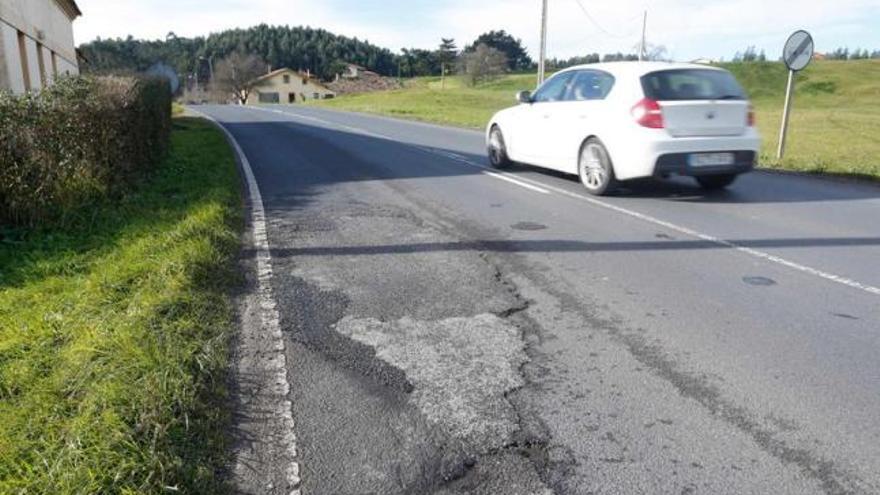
(286, 78)
(22, 52)
(269, 98)
(316, 95)
(42, 65)
(291, 98)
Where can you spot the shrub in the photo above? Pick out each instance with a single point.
(80, 139)
(482, 64)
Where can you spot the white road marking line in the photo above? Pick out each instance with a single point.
(486, 171)
(715, 240)
(271, 319)
(325, 122)
(539, 186)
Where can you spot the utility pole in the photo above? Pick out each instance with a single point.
(543, 56)
(644, 32)
(786, 111)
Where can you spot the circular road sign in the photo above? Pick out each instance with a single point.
(798, 50)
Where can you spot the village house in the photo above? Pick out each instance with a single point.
(287, 86)
(36, 43)
(354, 71)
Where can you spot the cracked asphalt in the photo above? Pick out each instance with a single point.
(448, 332)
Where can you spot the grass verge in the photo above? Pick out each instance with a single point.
(114, 333)
(833, 128)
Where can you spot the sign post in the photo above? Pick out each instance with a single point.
(797, 55)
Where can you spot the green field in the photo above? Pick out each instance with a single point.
(114, 331)
(835, 127)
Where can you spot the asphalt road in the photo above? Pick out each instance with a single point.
(452, 330)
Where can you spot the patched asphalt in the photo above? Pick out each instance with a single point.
(447, 332)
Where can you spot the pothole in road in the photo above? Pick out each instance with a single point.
(460, 368)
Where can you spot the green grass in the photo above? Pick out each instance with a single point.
(833, 128)
(114, 332)
(834, 123)
(423, 99)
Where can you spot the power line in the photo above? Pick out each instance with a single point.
(599, 26)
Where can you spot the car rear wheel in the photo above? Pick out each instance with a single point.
(498, 149)
(595, 169)
(715, 182)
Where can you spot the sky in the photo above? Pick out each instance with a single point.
(688, 29)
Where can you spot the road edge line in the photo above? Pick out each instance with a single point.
(270, 318)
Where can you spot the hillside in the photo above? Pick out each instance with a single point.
(280, 46)
(833, 128)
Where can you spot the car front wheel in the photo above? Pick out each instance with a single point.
(595, 169)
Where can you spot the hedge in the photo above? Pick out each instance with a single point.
(81, 139)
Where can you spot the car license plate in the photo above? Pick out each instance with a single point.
(711, 159)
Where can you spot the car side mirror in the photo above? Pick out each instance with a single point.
(524, 97)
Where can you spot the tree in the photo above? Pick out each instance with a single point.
(839, 54)
(482, 64)
(336, 67)
(447, 53)
(237, 73)
(749, 55)
(282, 46)
(620, 57)
(512, 48)
(655, 52)
(418, 62)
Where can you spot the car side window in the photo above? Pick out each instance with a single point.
(590, 85)
(554, 89)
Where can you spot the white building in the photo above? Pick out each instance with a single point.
(36, 43)
(287, 86)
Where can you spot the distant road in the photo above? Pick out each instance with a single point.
(452, 329)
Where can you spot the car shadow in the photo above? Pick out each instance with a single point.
(759, 186)
(571, 246)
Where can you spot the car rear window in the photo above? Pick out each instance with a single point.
(692, 84)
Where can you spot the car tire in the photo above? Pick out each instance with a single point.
(716, 182)
(595, 169)
(498, 149)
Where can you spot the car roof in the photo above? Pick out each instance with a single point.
(638, 69)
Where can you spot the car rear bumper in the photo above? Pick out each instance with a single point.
(653, 152)
(678, 164)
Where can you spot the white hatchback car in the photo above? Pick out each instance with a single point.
(627, 120)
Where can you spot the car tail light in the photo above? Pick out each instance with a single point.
(648, 114)
(751, 117)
